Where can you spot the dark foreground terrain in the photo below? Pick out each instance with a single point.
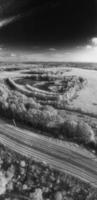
(22, 178)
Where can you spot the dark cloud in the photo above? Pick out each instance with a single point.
(49, 22)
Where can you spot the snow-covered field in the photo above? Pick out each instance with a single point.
(86, 101)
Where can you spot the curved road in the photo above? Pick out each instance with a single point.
(56, 154)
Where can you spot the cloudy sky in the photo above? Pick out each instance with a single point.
(48, 30)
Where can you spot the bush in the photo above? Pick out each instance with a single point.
(78, 131)
(85, 133)
(30, 103)
(58, 196)
(17, 106)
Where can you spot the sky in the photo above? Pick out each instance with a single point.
(48, 30)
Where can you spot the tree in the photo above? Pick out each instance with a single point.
(58, 196)
(37, 195)
(85, 133)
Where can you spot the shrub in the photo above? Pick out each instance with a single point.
(85, 133)
(31, 103)
(78, 131)
(15, 105)
(58, 196)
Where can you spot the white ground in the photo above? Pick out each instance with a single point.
(87, 97)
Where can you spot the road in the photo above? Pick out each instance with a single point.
(56, 154)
